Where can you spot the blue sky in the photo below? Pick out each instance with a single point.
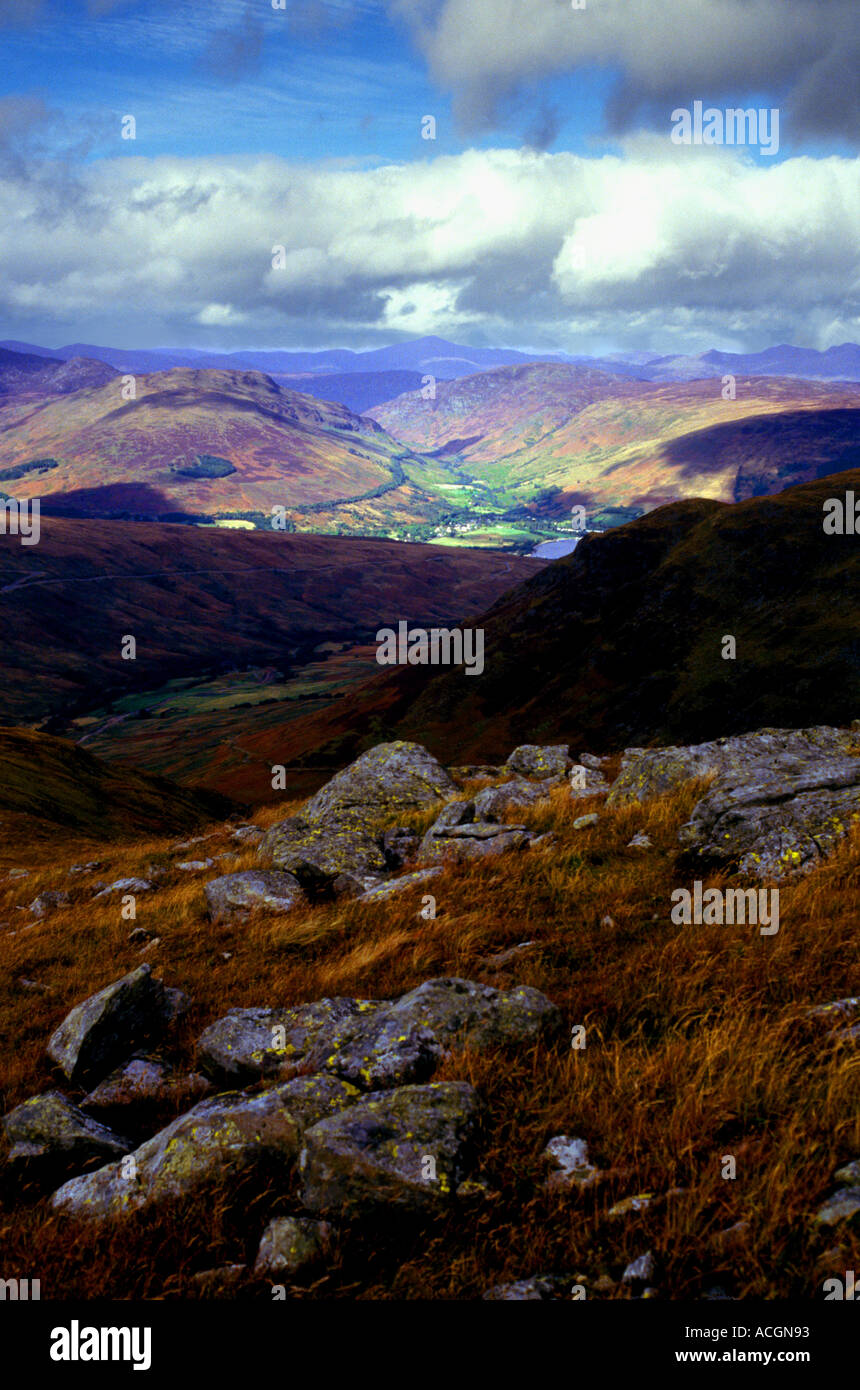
(551, 210)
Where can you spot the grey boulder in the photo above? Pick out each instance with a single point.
(290, 1245)
(247, 1044)
(405, 1150)
(535, 760)
(107, 1028)
(48, 1131)
(235, 895)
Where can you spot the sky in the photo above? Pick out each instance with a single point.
(281, 190)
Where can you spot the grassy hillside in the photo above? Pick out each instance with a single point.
(622, 641)
(696, 1047)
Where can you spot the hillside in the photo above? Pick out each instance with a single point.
(49, 787)
(622, 641)
(590, 438)
(199, 602)
(203, 444)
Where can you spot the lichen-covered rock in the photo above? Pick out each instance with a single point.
(290, 1245)
(383, 891)
(780, 801)
(393, 777)
(219, 1140)
(48, 1131)
(317, 855)
(107, 1028)
(404, 1040)
(235, 895)
(849, 1173)
(583, 822)
(533, 760)
(492, 803)
(407, 1149)
(247, 1044)
(647, 772)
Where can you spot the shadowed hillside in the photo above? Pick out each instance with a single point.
(621, 641)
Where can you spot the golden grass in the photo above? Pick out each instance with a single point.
(697, 1048)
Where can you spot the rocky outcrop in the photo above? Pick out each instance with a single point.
(374, 1043)
(492, 803)
(384, 781)
(781, 799)
(236, 895)
(404, 1150)
(107, 1028)
(317, 855)
(49, 1132)
(219, 1140)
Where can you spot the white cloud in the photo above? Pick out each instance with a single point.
(686, 248)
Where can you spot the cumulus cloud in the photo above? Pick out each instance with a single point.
(665, 53)
(685, 248)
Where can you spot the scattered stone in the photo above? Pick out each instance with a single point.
(849, 1173)
(639, 1270)
(218, 1141)
(533, 760)
(408, 1149)
(195, 865)
(583, 822)
(107, 1028)
(838, 1011)
(540, 1288)
(291, 1245)
(627, 1205)
(235, 895)
(572, 1167)
(456, 835)
(247, 1044)
(19, 873)
(48, 1131)
(586, 781)
(144, 1081)
(607, 921)
(505, 958)
(48, 902)
(844, 1205)
(593, 760)
(138, 935)
(383, 891)
(32, 986)
(125, 885)
(640, 841)
(491, 803)
(85, 868)
(251, 833)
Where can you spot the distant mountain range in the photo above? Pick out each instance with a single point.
(433, 356)
(504, 447)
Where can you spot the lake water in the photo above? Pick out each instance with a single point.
(551, 550)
